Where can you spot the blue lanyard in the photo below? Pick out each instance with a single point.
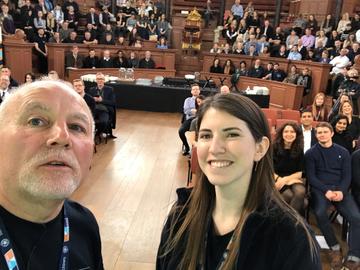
(9, 255)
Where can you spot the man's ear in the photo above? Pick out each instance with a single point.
(261, 148)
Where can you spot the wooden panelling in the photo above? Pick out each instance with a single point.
(282, 95)
(138, 73)
(56, 52)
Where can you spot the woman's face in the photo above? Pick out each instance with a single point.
(226, 149)
(228, 63)
(319, 101)
(216, 62)
(28, 78)
(289, 135)
(293, 69)
(340, 125)
(199, 101)
(346, 108)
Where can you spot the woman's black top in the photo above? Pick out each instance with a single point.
(217, 69)
(343, 139)
(285, 164)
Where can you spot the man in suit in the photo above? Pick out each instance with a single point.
(91, 61)
(306, 120)
(74, 59)
(5, 89)
(147, 62)
(106, 61)
(92, 18)
(267, 30)
(6, 71)
(105, 111)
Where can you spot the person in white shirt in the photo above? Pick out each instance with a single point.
(4, 87)
(308, 131)
(339, 62)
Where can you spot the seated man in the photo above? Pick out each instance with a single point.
(91, 61)
(306, 120)
(328, 170)
(105, 113)
(278, 74)
(189, 113)
(6, 71)
(147, 62)
(257, 71)
(74, 59)
(46, 154)
(106, 61)
(80, 89)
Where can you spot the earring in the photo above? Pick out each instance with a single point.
(256, 165)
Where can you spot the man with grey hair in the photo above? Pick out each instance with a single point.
(46, 153)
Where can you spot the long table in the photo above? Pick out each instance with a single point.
(159, 98)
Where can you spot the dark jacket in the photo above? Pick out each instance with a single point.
(270, 240)
(91, 62)
(109, 100)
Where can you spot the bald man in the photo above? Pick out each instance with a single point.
(46, 153)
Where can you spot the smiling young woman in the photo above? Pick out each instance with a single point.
(234, 218)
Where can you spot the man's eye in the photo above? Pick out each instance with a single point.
(77, 128)
(36, 122)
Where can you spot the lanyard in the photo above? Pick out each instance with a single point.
(225, 253)
(9, 255)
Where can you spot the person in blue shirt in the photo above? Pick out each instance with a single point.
(189, 115)
(294, 54)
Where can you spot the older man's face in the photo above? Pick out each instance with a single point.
(4, 81)
(47, 144)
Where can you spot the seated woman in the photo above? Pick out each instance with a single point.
(229, 67)
(233, 216)
(341, 135)
(289, 164)
(354, 121)
(162, 44)
(216, 68)
(335, 108)
(243, 71)
(318, 108)
(292, 76)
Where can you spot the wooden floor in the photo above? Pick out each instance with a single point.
(132, 185)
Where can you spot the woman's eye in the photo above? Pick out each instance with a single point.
(37, 122)
(231, 135)
(204, 136)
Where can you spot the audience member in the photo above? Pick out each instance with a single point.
(46, 154)
(133, 60)
(106, 61)
(257, 71)
(189, 115)
(329, 185)
(278, 74)
(306, 120)
(74, 59)
(40, 41)
(354, 121)
(91, 61)
(237, 10)
(229, 67)
(341, 136)
(6, 71)
(318, 108)
(328, 24)
(29, 77)
(105, 113)
(289, 165)
(294, 54)
(5, 89)
(305, 80)
(6, 20)
(147, 61)
(79, 87)
(242, 71)
(72, 38)
(120, 61)
(292, 76)
(268, 71)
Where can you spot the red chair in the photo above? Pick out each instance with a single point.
(291, 114)
(271, 113)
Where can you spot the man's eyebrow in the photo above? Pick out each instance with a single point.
(36, 106)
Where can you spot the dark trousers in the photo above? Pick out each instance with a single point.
(185, 126)
(347, 208)
(102, 121)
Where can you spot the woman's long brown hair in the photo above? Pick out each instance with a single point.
(200, 205)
